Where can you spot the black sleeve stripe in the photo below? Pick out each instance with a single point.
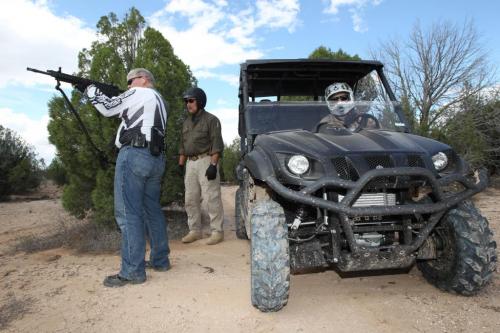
(125, 115)
(158, 121)
(135, 117)
(163, 112)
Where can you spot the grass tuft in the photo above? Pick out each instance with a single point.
(13, 308)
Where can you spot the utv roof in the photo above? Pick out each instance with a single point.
(300, 77)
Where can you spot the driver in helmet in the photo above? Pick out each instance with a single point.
(340, 100)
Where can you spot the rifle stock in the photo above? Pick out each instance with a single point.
(79, 82)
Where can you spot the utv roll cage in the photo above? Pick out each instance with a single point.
(300, 77)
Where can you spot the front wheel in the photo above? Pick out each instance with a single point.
(466, 256)
(241, 231)
(270, 256)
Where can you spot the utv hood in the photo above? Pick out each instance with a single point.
(271, 151)
(343, 142)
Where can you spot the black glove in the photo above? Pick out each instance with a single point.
(211, 172)
(180, 170)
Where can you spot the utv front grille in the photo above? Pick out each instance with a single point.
(344, 169)
(415, 161)
(379, 161)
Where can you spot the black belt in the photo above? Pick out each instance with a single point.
(197, 157)
(139, 141)
(135, 145)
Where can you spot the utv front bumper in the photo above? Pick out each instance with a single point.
(362, 258)
(355, 188)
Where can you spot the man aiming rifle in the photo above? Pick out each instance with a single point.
(139, 167)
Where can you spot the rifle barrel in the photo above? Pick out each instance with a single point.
(106, 88)
(36, 70)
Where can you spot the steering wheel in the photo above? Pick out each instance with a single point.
(365, 121)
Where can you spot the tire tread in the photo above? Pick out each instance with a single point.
(270, 257)
(475, 259)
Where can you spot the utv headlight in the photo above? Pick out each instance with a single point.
(298, 164)
(440, 161)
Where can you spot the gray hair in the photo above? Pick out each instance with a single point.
(136, 72)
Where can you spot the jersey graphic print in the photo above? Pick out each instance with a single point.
(110, 103)
(140, 109)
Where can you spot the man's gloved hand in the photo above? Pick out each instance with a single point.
(180, 170)
(211, 172)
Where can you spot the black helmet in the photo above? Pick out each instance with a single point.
(198, 94)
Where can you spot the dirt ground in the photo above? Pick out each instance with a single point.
(208, 289)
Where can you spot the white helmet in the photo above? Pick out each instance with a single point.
(339, 108)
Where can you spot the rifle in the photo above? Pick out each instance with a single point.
(81, 84)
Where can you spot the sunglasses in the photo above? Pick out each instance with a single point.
(189, 100)
(129, 82)
(339, 99)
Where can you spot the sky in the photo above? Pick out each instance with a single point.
(212, 37)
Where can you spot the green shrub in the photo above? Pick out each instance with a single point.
(19, 169)
(56, 172)
(474, 132)
(230, 159)
(76, 197)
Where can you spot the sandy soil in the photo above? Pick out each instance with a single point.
(207, 290)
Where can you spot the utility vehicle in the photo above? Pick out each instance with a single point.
(315, 196)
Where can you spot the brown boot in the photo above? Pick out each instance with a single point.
(191, 237)
(215, 238)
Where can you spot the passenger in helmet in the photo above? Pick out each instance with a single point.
(339, 98)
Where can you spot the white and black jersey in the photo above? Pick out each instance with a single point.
(139, 108)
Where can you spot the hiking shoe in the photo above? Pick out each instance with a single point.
(191, 237)
(149, 265)
(215, 238)
(119, 281)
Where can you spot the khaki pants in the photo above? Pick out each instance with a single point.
(199, 187)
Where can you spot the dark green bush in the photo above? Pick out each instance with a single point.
(230, 159)
(19, 169)
(474, 132)
(56, 172)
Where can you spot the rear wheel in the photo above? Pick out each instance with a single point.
(270, 256)
(466, 256)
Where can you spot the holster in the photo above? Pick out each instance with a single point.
(157, 143)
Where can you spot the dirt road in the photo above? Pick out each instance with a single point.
(207, 289)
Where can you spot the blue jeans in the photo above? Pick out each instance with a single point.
(138, 176)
